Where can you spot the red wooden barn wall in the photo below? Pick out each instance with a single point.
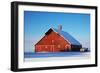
(52, 42)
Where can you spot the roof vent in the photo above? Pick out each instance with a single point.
(59, 28)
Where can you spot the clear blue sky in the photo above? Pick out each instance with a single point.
(37, 23)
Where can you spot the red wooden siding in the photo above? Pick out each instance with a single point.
(52, 42)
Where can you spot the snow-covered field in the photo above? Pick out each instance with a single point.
(37, 57)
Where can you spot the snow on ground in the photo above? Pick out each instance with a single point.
(56, 56)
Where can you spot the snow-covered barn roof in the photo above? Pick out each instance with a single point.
(67, 37)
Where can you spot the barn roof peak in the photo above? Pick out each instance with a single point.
(66, 36)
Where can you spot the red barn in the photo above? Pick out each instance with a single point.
(56, 40)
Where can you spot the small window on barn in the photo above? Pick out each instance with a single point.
(52, 41)
(66, 46)
(59, 46)
(46, 47)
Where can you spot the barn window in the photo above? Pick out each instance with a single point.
(59, 46)
(52, 41)
(46, 47)
(66, 46)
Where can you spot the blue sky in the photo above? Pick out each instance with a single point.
(37, 23)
